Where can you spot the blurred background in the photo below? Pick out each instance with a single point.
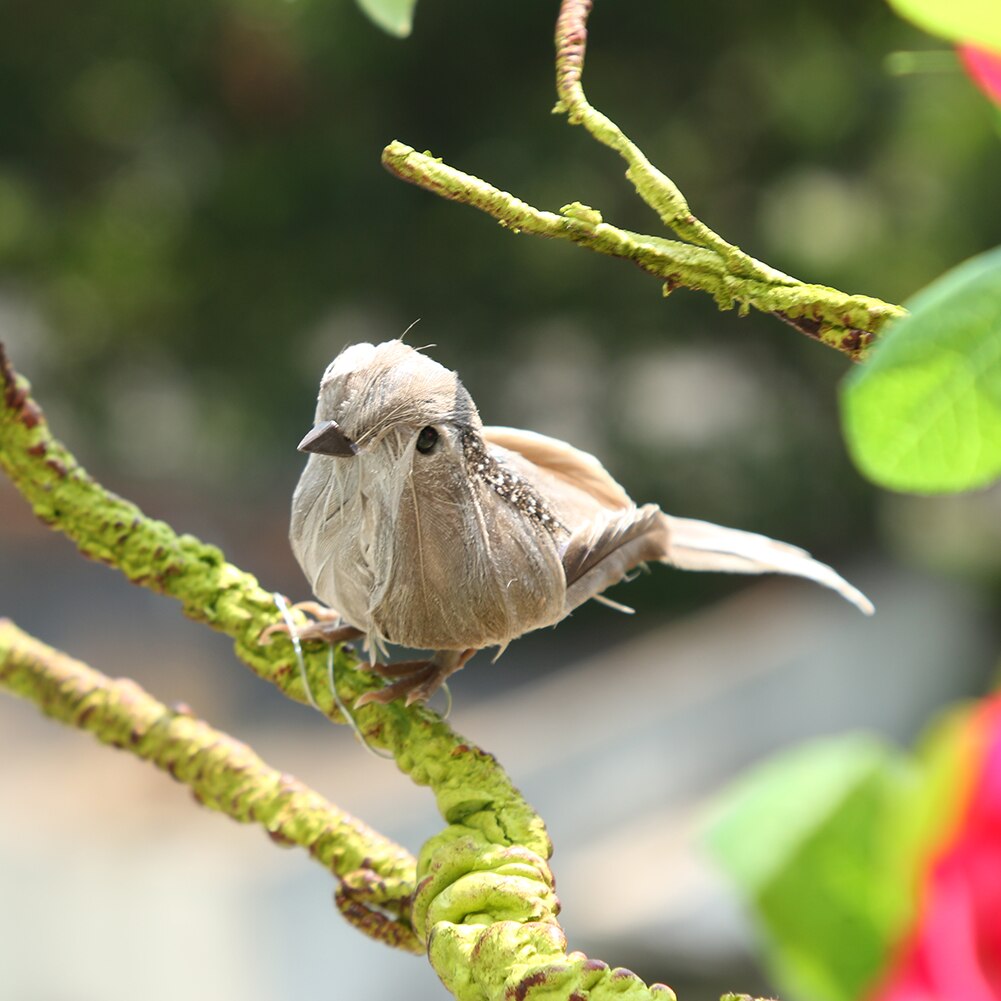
(193, 221)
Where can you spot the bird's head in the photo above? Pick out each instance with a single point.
(390, 399)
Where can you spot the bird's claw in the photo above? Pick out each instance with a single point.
(416, 680)
(325, 625)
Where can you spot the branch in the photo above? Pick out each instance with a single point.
(484, 904)
(845, 322)
(701, 260)
(654, 187)
(377, 876)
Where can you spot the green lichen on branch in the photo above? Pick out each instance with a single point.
(489, 913)
(651, 184)
(377, 876)
(700, 260)
(845, 322)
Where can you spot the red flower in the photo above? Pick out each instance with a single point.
(984, 68)
(954, 952)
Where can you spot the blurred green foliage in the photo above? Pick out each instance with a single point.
(830, 844)
(394, 16)
(193, 221)
(810, 839)
(924, 413)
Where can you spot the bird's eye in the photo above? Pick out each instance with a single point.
(427, 440)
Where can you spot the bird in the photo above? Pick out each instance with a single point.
(418, 526)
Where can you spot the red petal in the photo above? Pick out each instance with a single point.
(953, 952)
(984, 68)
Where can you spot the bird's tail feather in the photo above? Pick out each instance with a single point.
(699, 545)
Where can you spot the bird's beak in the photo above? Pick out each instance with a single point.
(328, 439)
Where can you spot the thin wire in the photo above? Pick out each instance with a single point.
(346, 713)
(411, 327)
(448, 700)
(338, 701)
(293, 635)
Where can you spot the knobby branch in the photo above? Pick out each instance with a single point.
(481, 899)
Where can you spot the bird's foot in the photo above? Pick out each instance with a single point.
(325, 625)
(416, 680)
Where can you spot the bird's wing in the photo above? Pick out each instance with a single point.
(579, 469)
(603, 552)
(700, 545)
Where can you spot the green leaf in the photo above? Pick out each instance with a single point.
(976, 21)
(829, 843)
(923, 414)
(810, 840)
(394, 16)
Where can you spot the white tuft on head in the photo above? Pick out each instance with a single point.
(369, 389)
(351, 359)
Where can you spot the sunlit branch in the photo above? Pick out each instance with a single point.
(701, 260)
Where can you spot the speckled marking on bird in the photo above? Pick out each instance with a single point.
(508, 485)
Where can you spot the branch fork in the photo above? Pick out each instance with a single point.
(698, 259)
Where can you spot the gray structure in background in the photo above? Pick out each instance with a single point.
(619, 752)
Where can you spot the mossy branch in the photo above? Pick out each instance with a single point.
(653, 186)
(700, 259)
(377, 876)
(483, 904)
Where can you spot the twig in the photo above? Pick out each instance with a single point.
(702, 260)
(845, 322)
(377, 876)
(653, 186)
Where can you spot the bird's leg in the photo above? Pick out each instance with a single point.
(417, 680)
(325, 625)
